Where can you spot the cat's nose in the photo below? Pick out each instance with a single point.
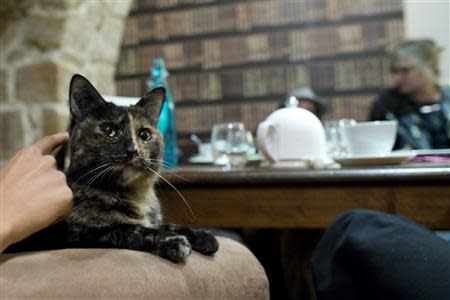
(132, 152)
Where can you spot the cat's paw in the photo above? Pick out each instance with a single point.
(205, 243)
(175, 248)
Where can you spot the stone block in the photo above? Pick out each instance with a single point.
(101, 75)
(12, 10)
(3, 86)
(13, 131)
(44, 32)
(118, 8)
(80, 35)
(98, 37)
(43, 82)
(10, 34)
(54, 119)
(108, 38)
(59, 4)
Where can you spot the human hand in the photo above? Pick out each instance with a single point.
(33, 193)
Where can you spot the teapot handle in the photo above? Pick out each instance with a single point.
(266, 140)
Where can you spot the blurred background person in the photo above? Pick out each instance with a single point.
(307, 99)
(416, 101)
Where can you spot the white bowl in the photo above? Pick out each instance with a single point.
(370, 138)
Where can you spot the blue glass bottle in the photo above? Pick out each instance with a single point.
(167, 118)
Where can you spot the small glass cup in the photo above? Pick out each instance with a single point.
(336, 144)
(230, 144)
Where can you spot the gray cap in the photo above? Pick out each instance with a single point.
(307, 94)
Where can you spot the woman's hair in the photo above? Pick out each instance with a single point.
(424, 54)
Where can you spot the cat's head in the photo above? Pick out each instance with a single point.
(122, 142)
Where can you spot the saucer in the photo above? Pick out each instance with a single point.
(426, 151)
(375, 160)
(197, 159)
(324, 163)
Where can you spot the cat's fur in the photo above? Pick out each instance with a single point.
(115, 153)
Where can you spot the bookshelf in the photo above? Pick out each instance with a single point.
(237, 59)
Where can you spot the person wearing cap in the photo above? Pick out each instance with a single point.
(416, 101)
(306, 98)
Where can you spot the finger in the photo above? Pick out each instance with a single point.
(66, 205)
(47, 144)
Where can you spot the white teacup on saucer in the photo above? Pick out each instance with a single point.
(375, 138)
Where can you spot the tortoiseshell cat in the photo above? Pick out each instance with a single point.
(115, 153)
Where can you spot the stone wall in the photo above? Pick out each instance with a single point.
(42, 44)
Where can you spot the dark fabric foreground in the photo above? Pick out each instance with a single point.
(373, 255)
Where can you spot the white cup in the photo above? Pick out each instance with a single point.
(370, 138)
(205, 151)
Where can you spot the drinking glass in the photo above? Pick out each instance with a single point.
(230, 144)
(336, 143)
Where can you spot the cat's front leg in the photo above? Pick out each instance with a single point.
(168, 245)
(200, 240)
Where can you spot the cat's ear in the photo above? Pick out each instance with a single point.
(152, 103)
(83, 97)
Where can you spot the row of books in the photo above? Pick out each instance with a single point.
(339, 75)
(131, 87)
(199, 86)
(354, 107)
(248, 15)
(322, 41)
(252, 82)
(161, 4)
(273, 12)
(201, 120)
(294, 45)
(350, 74)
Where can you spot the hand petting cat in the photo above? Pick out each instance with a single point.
(34, 194)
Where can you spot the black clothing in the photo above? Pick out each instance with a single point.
(372, 255)
(420, 126)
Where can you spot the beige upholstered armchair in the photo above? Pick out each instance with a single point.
(232, 273)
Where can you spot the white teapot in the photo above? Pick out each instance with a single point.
(292, 134)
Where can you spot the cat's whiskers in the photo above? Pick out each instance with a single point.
(176, 190)
(103, 173)
(157, 163)
(166, 163)
(161, 163)
(108, 170)
(96, 167)
(96, 175)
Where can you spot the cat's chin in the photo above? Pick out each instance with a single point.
(131, 173)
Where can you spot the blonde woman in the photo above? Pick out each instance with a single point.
(416, 101)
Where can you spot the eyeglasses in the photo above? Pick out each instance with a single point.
(401, 70)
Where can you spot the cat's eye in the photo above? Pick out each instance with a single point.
(144, 134)
(109, 131)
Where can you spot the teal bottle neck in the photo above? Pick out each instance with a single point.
(159, 77)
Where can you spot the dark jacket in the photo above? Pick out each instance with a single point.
(416, 129)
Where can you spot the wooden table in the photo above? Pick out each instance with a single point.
(264, 197)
